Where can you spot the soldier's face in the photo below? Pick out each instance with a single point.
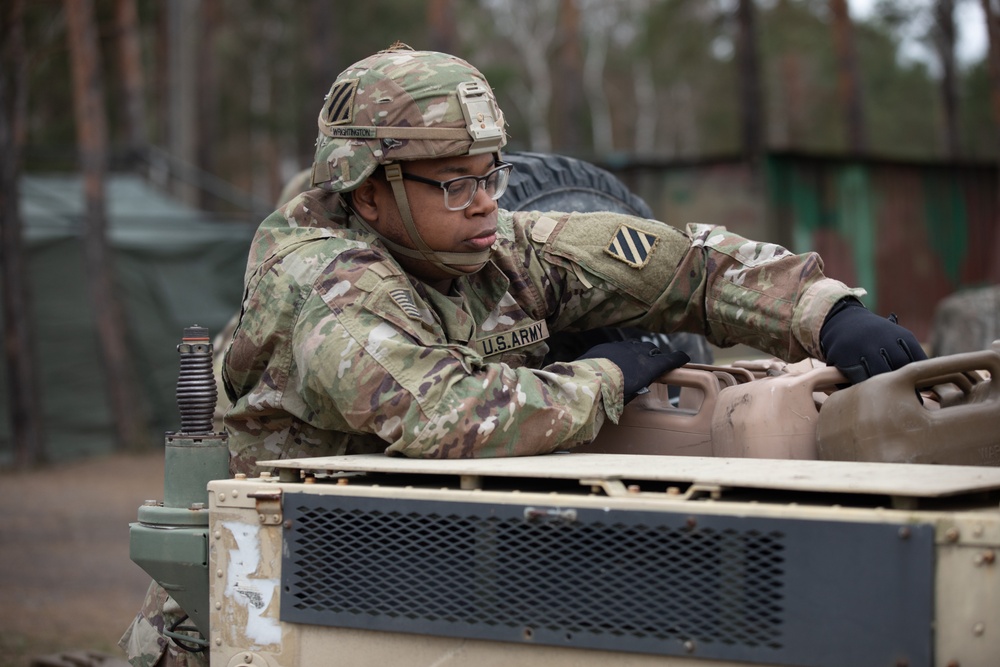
(472, 229)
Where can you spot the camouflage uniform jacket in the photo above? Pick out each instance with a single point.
(339, 351)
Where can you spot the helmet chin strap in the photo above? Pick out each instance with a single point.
(446, 261)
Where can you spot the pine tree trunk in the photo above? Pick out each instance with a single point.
(568, 100)
(443, 34)
(751, 88)
(944, 21)
(324, 61)
(130, 70)
(19, 353)
(206, 126)
(88, 103)
(849, 78)
(182, 141)
(993, 55)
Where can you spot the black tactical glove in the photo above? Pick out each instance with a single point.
(640, 362)
(862, 344)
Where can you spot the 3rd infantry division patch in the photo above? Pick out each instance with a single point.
(632, 246)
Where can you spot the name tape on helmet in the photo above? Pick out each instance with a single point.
(351, 132)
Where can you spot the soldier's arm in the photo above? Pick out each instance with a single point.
(603, 269)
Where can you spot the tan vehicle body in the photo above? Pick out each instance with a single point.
(948, 514)
(704, 529)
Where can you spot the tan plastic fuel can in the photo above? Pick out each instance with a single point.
(650, 424)
(772, 417)
(885, 419)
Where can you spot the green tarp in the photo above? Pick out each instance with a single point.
(174, 266)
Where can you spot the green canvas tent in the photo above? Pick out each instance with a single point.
(175, 267)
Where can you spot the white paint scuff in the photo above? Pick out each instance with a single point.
(246, 590)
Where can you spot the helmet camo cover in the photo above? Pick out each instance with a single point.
(401, 104)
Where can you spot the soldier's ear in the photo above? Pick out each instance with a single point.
(365, 201)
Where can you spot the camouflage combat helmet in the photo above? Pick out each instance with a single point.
(400, 105)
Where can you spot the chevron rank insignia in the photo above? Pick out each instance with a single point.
(632, 246)
(404, 300)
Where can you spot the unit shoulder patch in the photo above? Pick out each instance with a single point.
(632, 246)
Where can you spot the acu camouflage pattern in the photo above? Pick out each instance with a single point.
(402, 89)
(339, 352)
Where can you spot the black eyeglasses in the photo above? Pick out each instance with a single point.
(459, 192)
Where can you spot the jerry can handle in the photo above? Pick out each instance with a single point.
(684, 377)
(736, 373)
(824, 376)
(928, 372)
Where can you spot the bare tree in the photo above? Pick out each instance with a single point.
(646, 109)
(531, 28)
(19, 353)
(268, 70)
(750, 84)
(207, 91)
(598, 21)
(991, 11)
(617, 25)
(848, 77)
(992, 14)
(130, 70)
(323, 53)
(91, 128)
(441, 25)
(943, 34)
(161, 72)
(182, 125)
(568, 96)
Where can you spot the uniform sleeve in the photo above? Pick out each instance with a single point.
(604, 269)
(370, 357)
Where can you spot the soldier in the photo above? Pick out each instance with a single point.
(393, 308)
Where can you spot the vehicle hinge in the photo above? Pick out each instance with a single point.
(268, 506)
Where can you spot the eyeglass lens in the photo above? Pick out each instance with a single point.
(460, 192)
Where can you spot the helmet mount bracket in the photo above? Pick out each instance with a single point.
(481, 116)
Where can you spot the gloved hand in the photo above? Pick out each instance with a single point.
(640, 362)
(862, 344)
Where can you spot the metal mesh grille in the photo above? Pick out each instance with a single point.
(547, 572)
(730, 587)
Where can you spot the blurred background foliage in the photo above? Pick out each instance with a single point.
(232, 87)
(856, 128)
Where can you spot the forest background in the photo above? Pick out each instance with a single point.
(233, 87)
(216, 102)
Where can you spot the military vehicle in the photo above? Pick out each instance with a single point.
(602, 557)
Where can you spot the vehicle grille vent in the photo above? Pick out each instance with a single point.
(634, 581)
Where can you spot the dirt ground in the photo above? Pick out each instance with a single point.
(66, 581)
